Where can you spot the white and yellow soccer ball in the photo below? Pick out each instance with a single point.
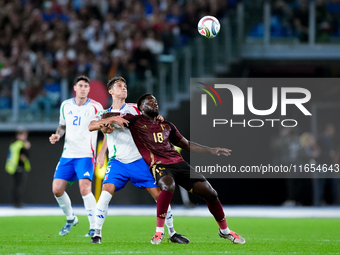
(208, 26)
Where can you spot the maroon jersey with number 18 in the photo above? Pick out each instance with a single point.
(155, 140)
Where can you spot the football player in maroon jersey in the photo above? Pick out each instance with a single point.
(155, 142)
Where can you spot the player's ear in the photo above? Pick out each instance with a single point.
(110, 91)
(142, 105)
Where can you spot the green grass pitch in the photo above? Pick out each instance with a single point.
(131, 235)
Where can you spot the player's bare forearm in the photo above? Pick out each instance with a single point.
(107, 129)
(104, 146)
(59, 133)
(193, 147)
(101, 154)
(61, 130)
(97, 124)
(198, 148)
(104, 123)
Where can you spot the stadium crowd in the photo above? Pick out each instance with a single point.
(291, 148)
(43, 42)
(290, 18)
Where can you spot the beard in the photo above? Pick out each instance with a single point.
(152, 113)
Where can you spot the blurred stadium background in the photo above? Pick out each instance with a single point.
(154, 44)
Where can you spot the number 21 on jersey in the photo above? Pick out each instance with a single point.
(158, 137)
(76, 121)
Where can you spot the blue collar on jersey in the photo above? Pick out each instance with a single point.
(87, 101)
(110, 109)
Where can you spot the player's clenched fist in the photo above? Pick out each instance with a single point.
(54, 138)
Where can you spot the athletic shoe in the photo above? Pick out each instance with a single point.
(178, 238)
(96, 239)
(157, 238)
(233, 237)
(90, 233)
(67, 227)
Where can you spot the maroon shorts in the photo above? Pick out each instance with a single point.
(183, 174)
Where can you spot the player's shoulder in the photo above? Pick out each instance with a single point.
(95, 104)
(134, 119)
(131, 104)
(132, 108)
(170, 124)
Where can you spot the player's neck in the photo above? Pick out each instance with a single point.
(117, 103)
(150, 117)
(80, 101)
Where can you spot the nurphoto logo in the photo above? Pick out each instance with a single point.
(238, 106)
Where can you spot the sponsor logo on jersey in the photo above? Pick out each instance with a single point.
(144, 127)
(87, 174)
(70, 112)
(162, 126)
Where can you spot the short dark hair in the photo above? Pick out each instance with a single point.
(141, 99)
(112, 81)
(82, 78)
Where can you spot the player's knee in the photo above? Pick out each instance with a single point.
(85, 186)
(57, 192)
(211, 194)
(109, 187)
(85, 190)
(167, 183)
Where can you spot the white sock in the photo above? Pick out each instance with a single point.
(101, 211)
(225, 231)
(64, 202)
(158, 229)
(90, 207)
(169, 222)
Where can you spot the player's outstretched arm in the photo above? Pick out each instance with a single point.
(104, 123)
(107, 128)
(59, 133)
(198, 148)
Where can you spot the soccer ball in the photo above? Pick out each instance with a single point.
(208, 26)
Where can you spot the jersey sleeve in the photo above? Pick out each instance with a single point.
(130, 117)
(96, 106)
(62, 120)
(175, 136)
(99, 107)
(134, 109)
